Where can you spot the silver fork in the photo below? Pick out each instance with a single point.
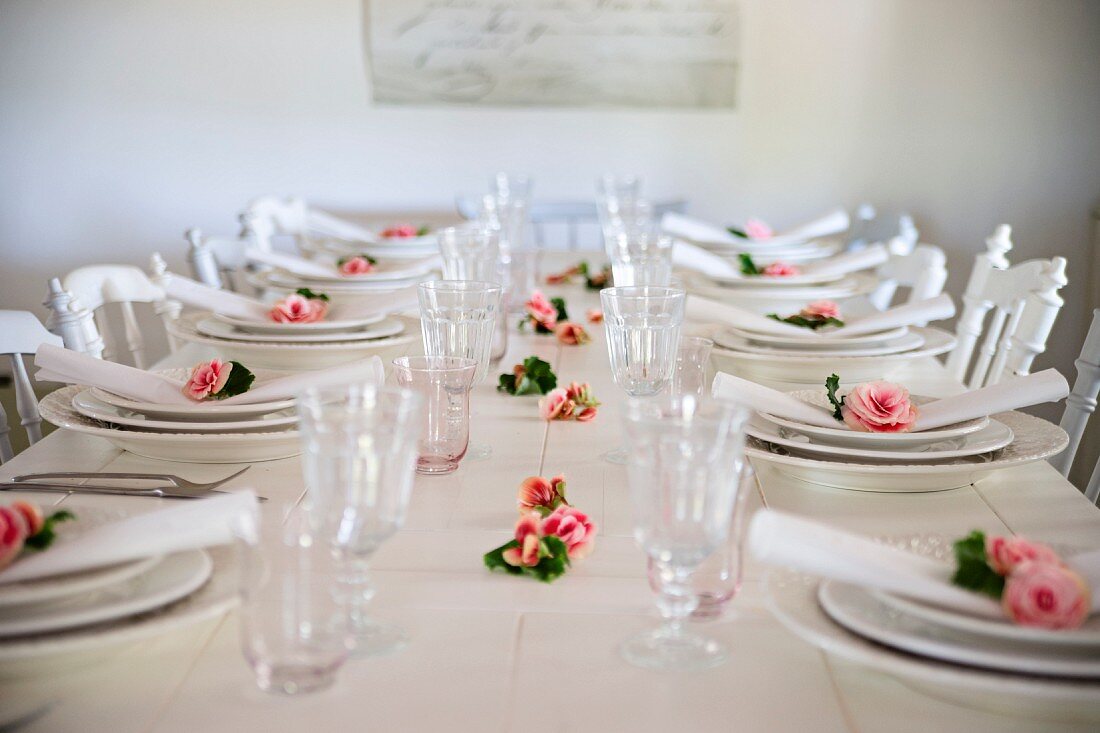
(176, 481)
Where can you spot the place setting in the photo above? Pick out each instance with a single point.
(805, 242)
(348, 274)
(395, 242)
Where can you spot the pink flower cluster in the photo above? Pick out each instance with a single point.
(757, 229)
(821, 310)
(298, 309)
(568, 524)
(207, 379)
(780, 269)
(575, 402)
(401, 231)
(595, 315)
(571, 334)
(541, 311)
(879, 407)
(17, 522)
(1039, 589)
(557, 278)
(536, 492)
(357, 265)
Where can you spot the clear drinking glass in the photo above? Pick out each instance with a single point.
(506, 215)
(640, 258)
(293, 629)
(511, 186)
(474, 253)
(444, 382)
(684, 486)
(359, 448)
(689, 376)
(524, 275)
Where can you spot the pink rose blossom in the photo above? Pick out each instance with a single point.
(586, 415)
(298, 309)
(879, 407)
(756, 229)
(574, 528)
(823, 309)
(14, 530)
(1046, 595)
(207, 379)
(595, 315)
(528, 533)
(536, 491)
(571, 334)
(1004, 553)
(542, 310)
(779, 269)
(402, 231)
(357, 265)
(556, 405)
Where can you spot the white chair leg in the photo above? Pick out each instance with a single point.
(6, 452)
(989, 348)
(1082, 402)
(26, 404)
(134, 342)
(1092, 492)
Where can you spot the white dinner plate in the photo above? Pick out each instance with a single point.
(283, 329)
(57, 409)
(776, 281)
(782, 300)
(811, 342)
(278, 280)
(86, 404)
(383, 271)
(860, 611)
(898, 345)
(174, 577)
(843, 436)
(993, 437)
(217, 329)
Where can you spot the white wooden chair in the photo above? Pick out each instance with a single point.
(920, 267)
(21, 333)
(70, 320)
(216, 261)
(96, 286)
(1080, 405)
(269, 216)
(1022, 303)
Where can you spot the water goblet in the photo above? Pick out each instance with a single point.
(359, 449)
(683, 489)
(689, 376)
(642, 325)
(444, 383)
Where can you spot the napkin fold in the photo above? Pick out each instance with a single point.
(698, 230)
(187, 525)
(907, 314)
(291, 263)
(1033, 389)
(325, 223)
(848, 262)
(691, 257)
(711, 311)
(772, 401)
(56, 364)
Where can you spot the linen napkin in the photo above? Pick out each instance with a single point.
(711, 311)
(291, 263)
(56, 364)
(843, 264)
(908, 314)
(1033, 389)
(332, 226)
(691, 257)
(700, 231)
(778, 538)
(772, 401)
(185, 526)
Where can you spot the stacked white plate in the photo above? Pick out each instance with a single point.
(781, 295)
(778, 249)
(300, 347)
(387, 275)
(206, 432)
(394, 248)
(929, 460)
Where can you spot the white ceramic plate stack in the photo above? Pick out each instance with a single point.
(300, 347)
(388, 275)
(929, 460)
(778, 249)
(206, 432)
(393, 248)
(781, 295)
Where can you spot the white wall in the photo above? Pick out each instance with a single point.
(123, 122)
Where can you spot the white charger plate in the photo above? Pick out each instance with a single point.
(860, 611)
(812, 342)
(901, 344)
(57, 409)
(283, 329)
(993, 437)
(174, 577)
(86, 404)
(217, 329)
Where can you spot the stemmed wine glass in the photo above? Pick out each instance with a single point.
(684, 483)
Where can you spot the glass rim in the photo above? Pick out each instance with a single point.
(707, 412)
(643, 291)
(462, 364)
(326, 394)
(458, 286)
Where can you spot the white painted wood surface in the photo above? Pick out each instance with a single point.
(494, 653)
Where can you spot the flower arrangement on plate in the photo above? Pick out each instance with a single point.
(23, 528)
(304, 306)
(775, 269)
(217, 379)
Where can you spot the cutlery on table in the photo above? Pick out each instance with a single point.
(180, 488)
(176, 481)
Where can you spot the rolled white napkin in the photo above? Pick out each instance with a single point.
(56, 364)
(923, 311)
(843, 264)
(765, 399)
(832, 222)
(711, 311)
(1033, 389)
(778, 538)
(187, 525)
(697, 230)
(690, 257)
(290, 263)
(324, 223)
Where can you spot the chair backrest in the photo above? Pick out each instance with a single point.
(1080, 405)
(922, 268)
(215, 261)
(270, 216)
(21, 333)
(98, 285)
(1022, 303)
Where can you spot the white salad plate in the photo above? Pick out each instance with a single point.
(279, 280)
(174, 577)
(382, 271)
(284, 329)
(776, 281)
(383, 329)
(814, 341)
(237, 447)
(843, 436)
(993, 437)
(86, 404)
(901, 344)
(412, 248)
(859, 610)
(1034, 439)
(781, 300)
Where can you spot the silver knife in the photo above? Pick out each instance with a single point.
(158, 492)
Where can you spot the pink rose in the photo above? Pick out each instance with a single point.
(595, 315)
(879, 407)
(536, 491)
(779, 269)
(14, 530)
(1046, 595)
(298, 309)
(556, 405)
(1004, 553)
(402, 231)
(756, 229)
(564, 276)
(542, 310)
(574, 528)
(207, 379)
(822, 309)
(571, 334)
(585, 415)
(357, 265)
(527, 535)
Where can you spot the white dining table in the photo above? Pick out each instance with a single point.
(492, 652)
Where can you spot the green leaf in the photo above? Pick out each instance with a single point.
(494, 559)
(540, 373)
(507, 383)
(582, 268)
(972, 570)
(425, 229)
(44, 537)
(240, 381)
(737, 232)
(307, 293)
(553, 560)
(559, 303)
(811, 323)
(748, 267)
(832, 384)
